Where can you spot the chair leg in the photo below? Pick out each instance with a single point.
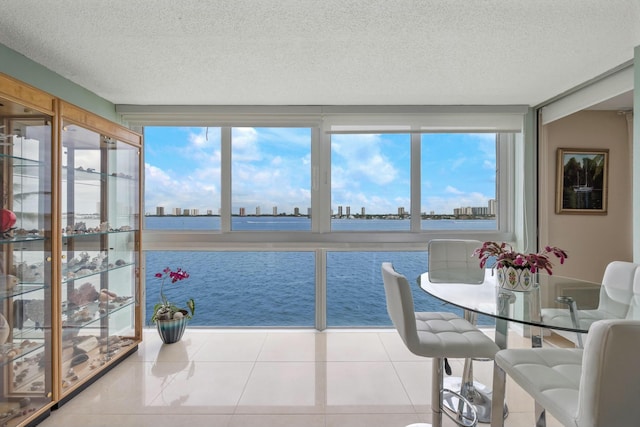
(499, 388)
(437, 380)
(541, 415)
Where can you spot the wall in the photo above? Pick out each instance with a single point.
(592, 241)
(22, 68)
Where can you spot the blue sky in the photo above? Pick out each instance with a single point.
(272, 167)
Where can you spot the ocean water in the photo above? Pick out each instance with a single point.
(277, 289)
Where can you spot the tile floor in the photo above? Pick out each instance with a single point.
(262, 378)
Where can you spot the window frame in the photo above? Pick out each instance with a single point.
(320, 119)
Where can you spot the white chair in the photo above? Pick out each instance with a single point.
(615, 298)
(436, 335)
(634, 306)
(595, 387)
(452, 261)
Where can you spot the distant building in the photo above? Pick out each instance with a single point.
(243, 212)
(185, 212)
(401, 212)
(309, 212)
(257, 210)
(362, 211)
(492, 206)
(160, 210)
(209, 212)
(275, 211)
(194, 212)
(296, 211)
(339, 211)
(176, 211)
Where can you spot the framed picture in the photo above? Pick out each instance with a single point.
(581, 186)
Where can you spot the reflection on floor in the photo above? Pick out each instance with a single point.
(262, 378)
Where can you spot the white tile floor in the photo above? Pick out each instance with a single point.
(240, 378)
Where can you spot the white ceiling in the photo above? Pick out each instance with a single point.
(328, 52)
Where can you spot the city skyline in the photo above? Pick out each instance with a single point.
(346, 212)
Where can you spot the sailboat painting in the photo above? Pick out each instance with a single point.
(582, 181)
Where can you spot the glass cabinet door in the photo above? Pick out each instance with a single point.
(99, 203)
(25, 262)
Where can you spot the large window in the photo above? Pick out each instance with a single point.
(182, 178)
(270, 180)
(458, 181)
(284, 220)
(370, 182)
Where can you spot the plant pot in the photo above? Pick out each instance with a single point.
(516, 279)
(171, 331)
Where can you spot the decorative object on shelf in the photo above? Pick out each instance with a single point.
(8, 282)
(171, 320)
(516, 269)
(5, 329)
(7, 223)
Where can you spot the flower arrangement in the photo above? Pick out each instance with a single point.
(165, 310)
(505, 256)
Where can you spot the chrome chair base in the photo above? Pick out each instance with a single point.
(478, 395)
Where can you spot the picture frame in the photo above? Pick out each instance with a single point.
(582, 181)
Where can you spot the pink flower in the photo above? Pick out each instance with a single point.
(503, 255)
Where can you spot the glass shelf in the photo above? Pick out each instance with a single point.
(22, 289)
(94, 273)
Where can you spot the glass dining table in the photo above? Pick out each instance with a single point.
(523, 310)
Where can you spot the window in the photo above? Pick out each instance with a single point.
(370, 182)
(458, 181)
(238, 288)
(283, 217)
(271, 179)
(182, 178)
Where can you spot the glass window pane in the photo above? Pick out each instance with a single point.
(271, 179)
(370, 182)
(182, 178)
(458, 187)
(355, 291)
(238, 288)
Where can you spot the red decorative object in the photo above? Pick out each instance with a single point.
(7, 220)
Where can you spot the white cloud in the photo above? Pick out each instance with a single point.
(452, 190)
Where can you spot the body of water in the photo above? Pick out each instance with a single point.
(274, 289)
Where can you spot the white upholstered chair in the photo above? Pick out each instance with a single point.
(616, 294)
(433, 334)
(452, 261)
(595, 387)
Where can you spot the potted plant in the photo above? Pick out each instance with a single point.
(171, 320)
(515, 268)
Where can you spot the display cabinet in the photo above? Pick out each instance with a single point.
(100, 207)
(26, 262)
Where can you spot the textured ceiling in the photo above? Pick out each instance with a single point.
(329, 52)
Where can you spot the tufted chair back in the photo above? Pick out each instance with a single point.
(616, 292)
(610, 378)
(400, 304)
(452, 261)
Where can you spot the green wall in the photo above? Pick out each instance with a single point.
(24, 69)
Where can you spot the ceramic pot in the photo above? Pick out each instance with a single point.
(516, 279)
(171, 331)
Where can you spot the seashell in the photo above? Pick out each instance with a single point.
(8, 282)
(78, 359)
(178, 315)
